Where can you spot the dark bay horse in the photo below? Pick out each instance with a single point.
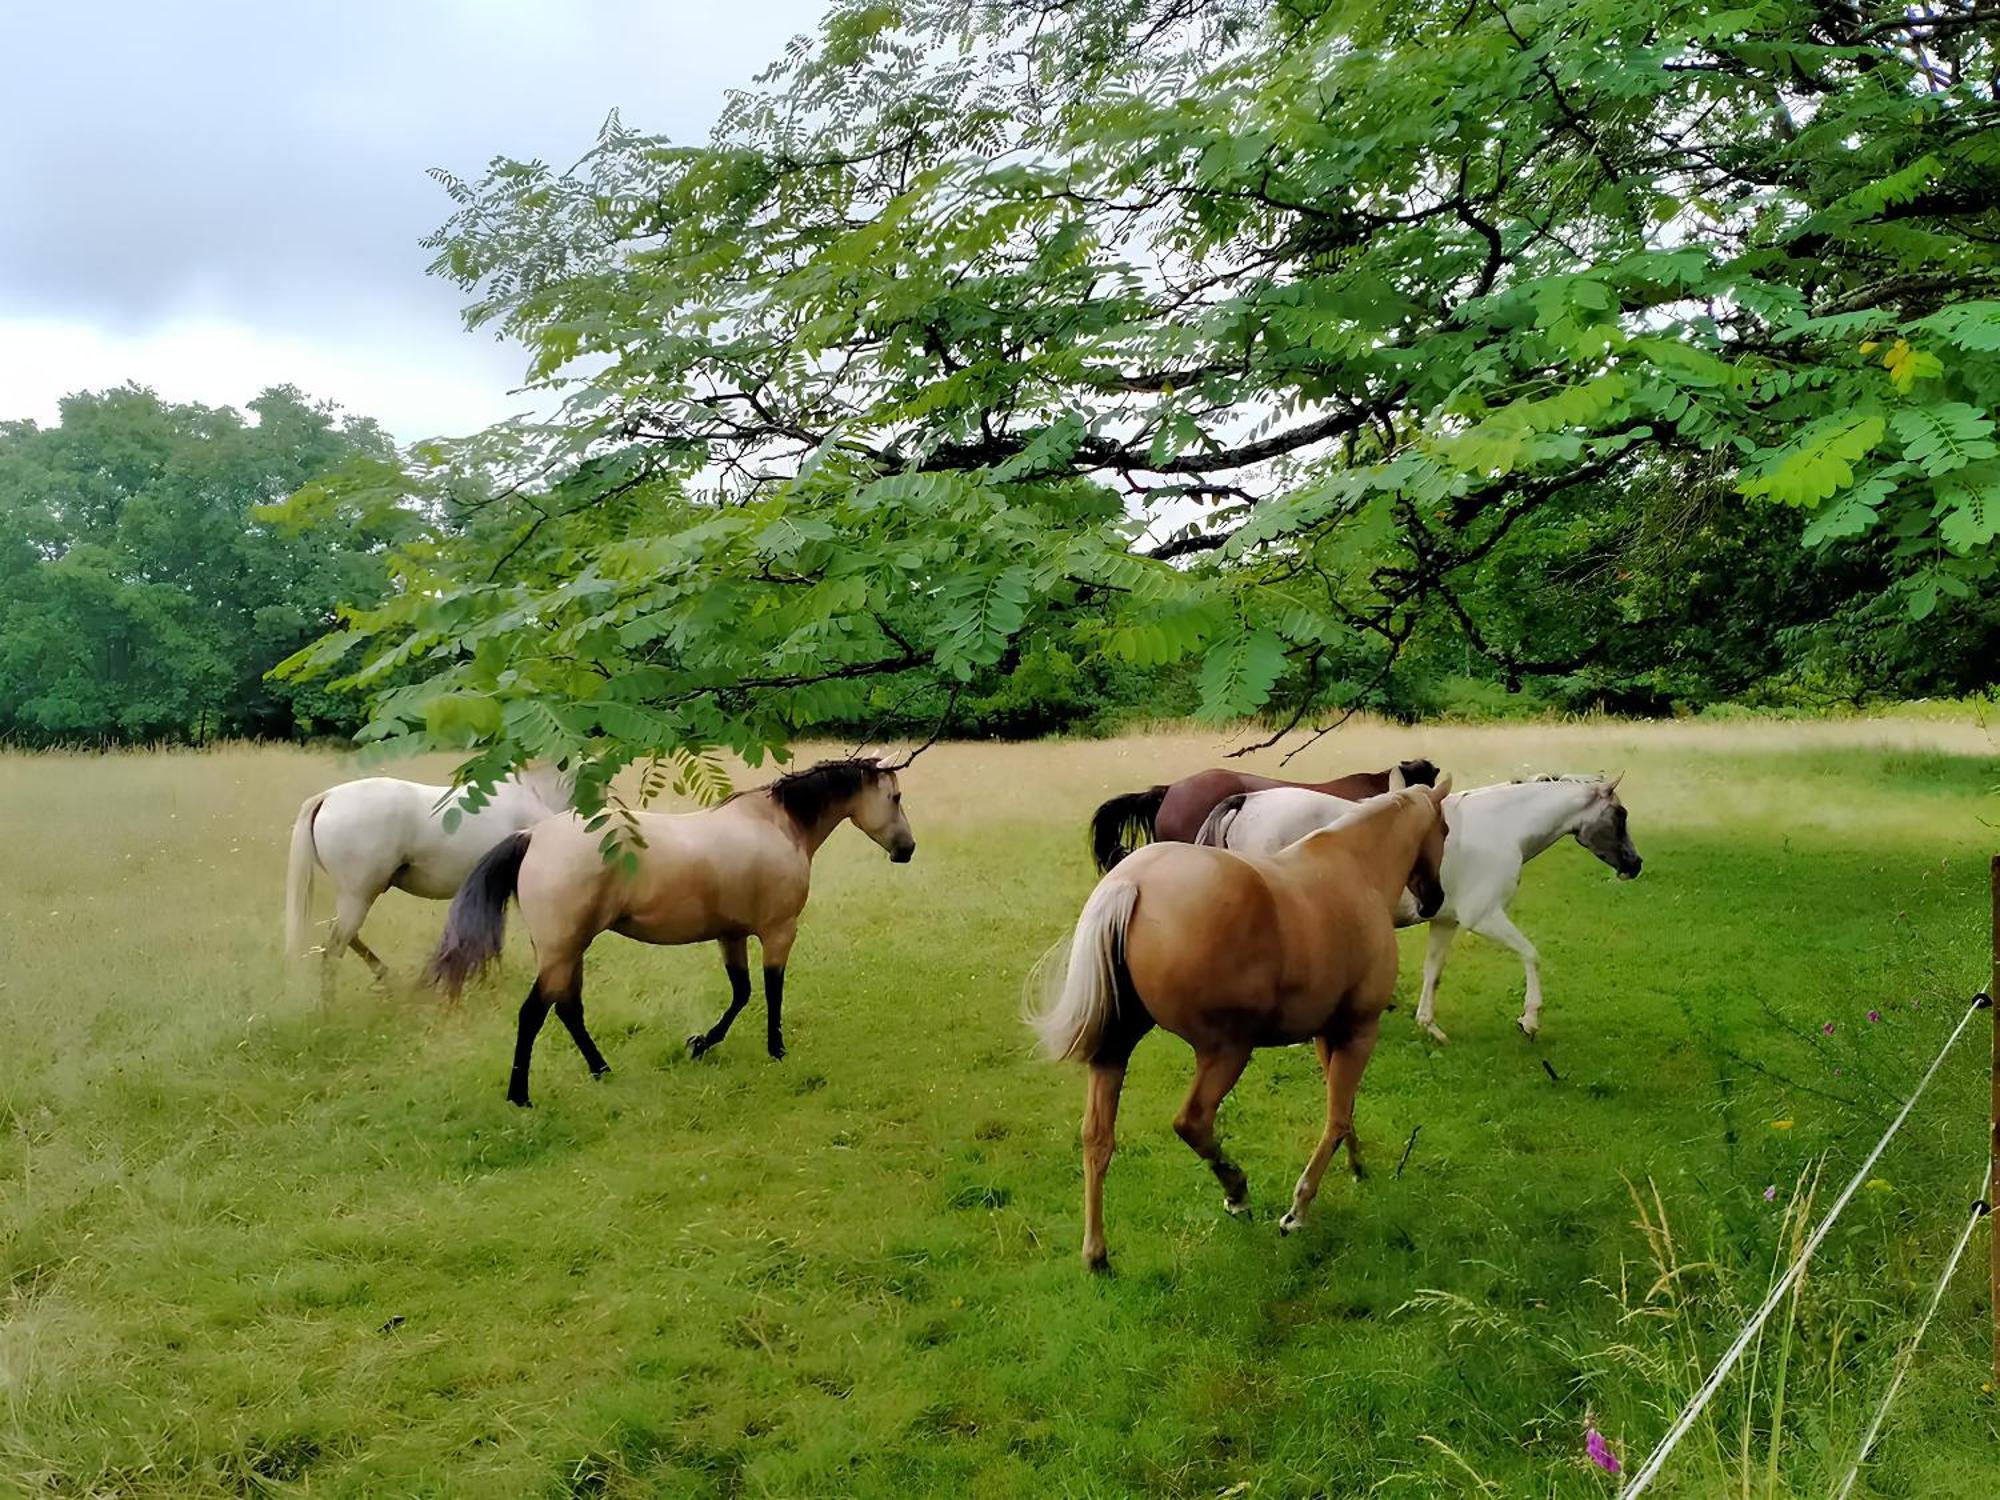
(1232, 952)
(1175, 811)
(724, 875)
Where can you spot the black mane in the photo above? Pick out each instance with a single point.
(809, 793)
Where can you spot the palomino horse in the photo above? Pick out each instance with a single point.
(1174, 811)
(727, 874)
(373, 834)
(1230, 953)
(1492, 832)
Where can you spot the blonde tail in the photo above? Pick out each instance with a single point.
(299, 876)
(1072, 996)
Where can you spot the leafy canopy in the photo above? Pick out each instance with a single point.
(1156, 329)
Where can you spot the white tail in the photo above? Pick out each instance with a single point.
(1072, 995)
(1214, 830)
(299, 876)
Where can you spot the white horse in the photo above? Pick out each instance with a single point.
(376, 833)
(1491, 831)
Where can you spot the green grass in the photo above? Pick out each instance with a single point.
(251, 1246)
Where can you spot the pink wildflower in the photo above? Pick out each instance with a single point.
(1874, 1015)
(1771, 1193)
(1827, 1029)
(1600, 1452)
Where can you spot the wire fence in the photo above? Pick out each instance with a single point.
(1643, 1477)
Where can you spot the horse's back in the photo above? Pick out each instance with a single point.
(1282, 815)
(698, 876)
(380, 831)
(1190, 800)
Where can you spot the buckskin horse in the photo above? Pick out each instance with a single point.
(724, 875)
(1233, 952)
(1175, 810)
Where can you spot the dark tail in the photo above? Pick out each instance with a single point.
(1123, 823)
(477, 920)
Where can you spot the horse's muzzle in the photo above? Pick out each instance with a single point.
(902, 855)
(1631, 871)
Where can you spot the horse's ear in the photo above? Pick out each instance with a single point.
(1442, 789)
(1396, 779)
(1611, 786)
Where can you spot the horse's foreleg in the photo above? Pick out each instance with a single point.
(534, 1011)
(1215, 1074)
(569, 1010)
(736, 962)
(777, 946)
(1500, 927)
(1344, 1066)
(1434, 956)
(1100, 1137)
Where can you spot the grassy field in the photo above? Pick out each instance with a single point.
(254, 1246)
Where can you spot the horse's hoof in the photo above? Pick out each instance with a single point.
(1236, 1208)
(777, 1051)
(1097, 1261)
(523, 1102)
(1436, 1034)
(1528, 1028)
(1290, 1224)
(698, 1044)
(600, 1075)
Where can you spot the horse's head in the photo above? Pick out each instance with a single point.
(877, 810)
(1426, 882)
(1418, 772)
(1604, 832)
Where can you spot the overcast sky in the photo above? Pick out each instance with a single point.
(213, 196)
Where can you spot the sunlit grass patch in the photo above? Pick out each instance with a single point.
(248, 1245)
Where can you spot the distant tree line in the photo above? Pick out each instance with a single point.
(142, 594)
(157, 559)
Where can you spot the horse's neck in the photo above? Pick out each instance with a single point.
(1534, 814)
(1383, 844)
(807, 836)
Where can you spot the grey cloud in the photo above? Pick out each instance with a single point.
(266, 162)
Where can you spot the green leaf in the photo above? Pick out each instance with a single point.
(1944, 436)
(1817, 464)
(1237, 676)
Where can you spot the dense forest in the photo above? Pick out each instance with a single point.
(156, 560)
(143, 593)
(998, 369)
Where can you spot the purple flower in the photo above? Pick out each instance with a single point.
(1771, 1193)
(1600, 1452)
(1827, 1029)
(1874, 1015)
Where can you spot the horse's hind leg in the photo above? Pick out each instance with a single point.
(350, 910)
(736, 961)
(1215, 1074)
(569, 1010)
(1344, 1066)
(368, 957)
(1100, 1137)
(534, 1011)
(1434, 956)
